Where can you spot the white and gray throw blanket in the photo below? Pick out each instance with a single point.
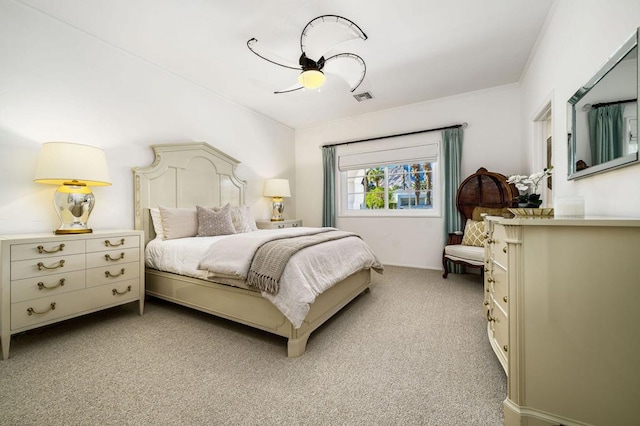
(272, 257)
(309, 272)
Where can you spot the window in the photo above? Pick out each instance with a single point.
(397, 177)
(396, 186)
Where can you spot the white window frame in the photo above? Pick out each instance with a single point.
(432, 141)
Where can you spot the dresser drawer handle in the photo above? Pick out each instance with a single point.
(116, 292)
(32, 311)
(505, 299)
(295, 225)
(109, 274)
(108, 257)
(108, 243)
(491, 280)
(506, 348)
(489, 317)
(42, 286)
(41, 265)
(504, 249)
(44, 250)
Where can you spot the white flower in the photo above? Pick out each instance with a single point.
(526, 183)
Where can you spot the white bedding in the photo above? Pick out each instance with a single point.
(310, 271)
(180, 256)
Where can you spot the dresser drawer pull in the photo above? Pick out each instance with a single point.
(489, 317)
(491, 241)
(44, 250)
(504, 249)
(109, 274)
(505, 299)
(506, 348)
(108, 243)
(108, 257)
(32, 311)
(41, 265)
(42, 286)
(294, 225)
(115, 291)
(491, 280)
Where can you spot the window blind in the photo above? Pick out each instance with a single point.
(400, 150)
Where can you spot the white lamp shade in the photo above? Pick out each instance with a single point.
(61, 162)
(277, 188)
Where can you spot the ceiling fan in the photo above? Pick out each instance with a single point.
(349, 66)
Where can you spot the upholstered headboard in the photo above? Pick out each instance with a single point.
(484, 189)
(185, 175)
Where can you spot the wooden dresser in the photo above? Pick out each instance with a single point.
(50, 278)
(562, 302)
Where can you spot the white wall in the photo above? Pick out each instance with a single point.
(492, 140)
(60, 84)
(579, 38)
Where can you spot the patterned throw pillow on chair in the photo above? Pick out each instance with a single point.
(473, 233)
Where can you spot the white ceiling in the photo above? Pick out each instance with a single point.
(417, 50)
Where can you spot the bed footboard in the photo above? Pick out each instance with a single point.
(250, 308)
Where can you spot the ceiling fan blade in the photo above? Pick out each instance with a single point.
(349, 66)
(259, 51)
(328, 31)
(289, 89)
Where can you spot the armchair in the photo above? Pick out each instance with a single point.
(481, 193)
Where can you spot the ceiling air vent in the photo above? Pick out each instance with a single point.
(364, 96)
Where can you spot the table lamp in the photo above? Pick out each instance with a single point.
(277, 189)
(74, 168)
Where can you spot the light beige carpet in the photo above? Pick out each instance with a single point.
(414, 351)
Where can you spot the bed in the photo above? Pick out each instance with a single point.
(197, 174)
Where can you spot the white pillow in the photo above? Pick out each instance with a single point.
(179, 222)
(156, 220)
(242, 219)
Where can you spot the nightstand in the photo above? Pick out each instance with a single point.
(49, 278)
(267, 224)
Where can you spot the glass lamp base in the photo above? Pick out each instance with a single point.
(277, 209)
(73, 203)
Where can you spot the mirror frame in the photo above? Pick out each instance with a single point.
(625, 160)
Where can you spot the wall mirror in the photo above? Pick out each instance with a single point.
(604, 116)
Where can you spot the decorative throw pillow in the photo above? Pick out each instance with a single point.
(243, 220)
(179, 222)
(240, 220)
(474, 233)
(212, 222)
(156, 220)
(251, 221)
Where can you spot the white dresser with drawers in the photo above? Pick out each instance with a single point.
(49, 278)
(561, 303)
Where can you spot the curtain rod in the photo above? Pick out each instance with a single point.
(453, 126)
(601, 104)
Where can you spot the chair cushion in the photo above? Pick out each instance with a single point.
(470, 254)
(474, 234)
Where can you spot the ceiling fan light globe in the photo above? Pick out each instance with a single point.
(311, 79)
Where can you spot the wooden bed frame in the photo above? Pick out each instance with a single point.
(185, 175)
